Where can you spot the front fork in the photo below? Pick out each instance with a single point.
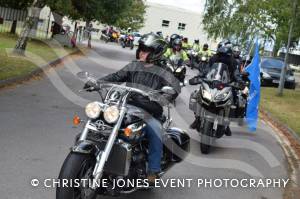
(102, 156)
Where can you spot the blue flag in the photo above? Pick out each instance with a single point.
(254, 96)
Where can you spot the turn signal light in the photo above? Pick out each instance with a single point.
(127, 132)
(76, 120)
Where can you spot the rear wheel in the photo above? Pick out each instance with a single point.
(76, 166)
(206, 137)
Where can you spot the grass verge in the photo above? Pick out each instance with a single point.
(11, 67)
(286, 108)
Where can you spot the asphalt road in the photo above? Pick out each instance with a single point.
(36, 135)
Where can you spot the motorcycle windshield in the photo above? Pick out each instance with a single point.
(218, 72)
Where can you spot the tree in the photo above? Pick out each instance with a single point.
(133, 17)
(244, 19)
(33, 16)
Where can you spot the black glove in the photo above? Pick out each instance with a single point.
(241, 85)
(91, 86)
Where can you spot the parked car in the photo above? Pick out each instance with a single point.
(271, 71)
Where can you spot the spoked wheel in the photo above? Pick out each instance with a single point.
(206, 137)
(77, 166)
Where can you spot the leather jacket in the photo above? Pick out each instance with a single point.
(230, 62)
(135, 74)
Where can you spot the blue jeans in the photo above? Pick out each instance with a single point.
(154, 131)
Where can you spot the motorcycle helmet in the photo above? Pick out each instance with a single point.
(172, 38)
(225, 47)
(236, 51)
(177, 45)
(205, 47)
(159, 33)
(185, 40)
(154, 44)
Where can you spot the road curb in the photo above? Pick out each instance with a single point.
(290, 143)
(38, 71)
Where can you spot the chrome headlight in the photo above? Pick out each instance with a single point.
(221, 96)
(203, 59)
(178, 70)
(111, 114)
(206, 95)
(93, 110)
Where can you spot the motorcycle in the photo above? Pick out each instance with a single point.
(112, 37)
(112, 145)
(241, 101)
(203, 63)
(127, 41)
(176, 65)
(194, 60)
(212, 102)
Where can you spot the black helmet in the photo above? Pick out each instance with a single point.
(236, 51)
(177, 44)
(159, 33)
(172, 38)
(154, 44)
(224, 47)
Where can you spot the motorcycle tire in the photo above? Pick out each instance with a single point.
(206, 136)
(76, 166)
(131, 46)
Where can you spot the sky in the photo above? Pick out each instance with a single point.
(193, 5)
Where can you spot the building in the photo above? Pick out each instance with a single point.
(169, 20)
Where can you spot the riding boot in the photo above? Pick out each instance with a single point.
(196, 122)
(228, 131)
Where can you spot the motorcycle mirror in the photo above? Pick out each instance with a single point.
(168, 90)
(83, 75)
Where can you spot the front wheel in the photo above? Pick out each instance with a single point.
(131, 45)
(76, 166)
(206, 137)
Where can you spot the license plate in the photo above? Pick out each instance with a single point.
(276, 81)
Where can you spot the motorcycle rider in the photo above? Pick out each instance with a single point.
(196, 46)
(144, 73)
(237, 55)
(224, 55)
(185, 44)
(176, 50)
(205, 51)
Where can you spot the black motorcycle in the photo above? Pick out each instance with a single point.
(112, 145)
(203, 64)
(212, 102)
(127, 41)
(176, 65)
(194, 59)
(240, 107)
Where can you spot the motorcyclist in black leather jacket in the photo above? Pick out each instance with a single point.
(144, 74)
(224, 55)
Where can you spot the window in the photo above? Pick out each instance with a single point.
(181, 26)
(165, 23)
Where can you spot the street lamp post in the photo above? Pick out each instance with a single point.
(283, 70)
